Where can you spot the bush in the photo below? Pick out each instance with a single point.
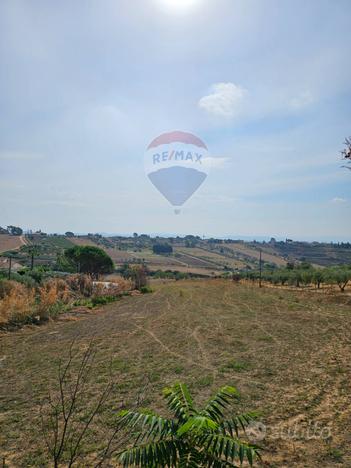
(81, 284)
(21, 304)
(37, 275)
(17, 304)
(102, 300)
(145, 289)
(136, 273)
(20, 278)
(5, 287)
(52, 296)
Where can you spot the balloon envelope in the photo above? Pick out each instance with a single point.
(175, 163)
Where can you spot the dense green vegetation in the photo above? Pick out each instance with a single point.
(14, 230)
(302, 275)
(162, 249)
(88, 259)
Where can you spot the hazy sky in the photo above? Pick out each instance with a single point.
(86, 85)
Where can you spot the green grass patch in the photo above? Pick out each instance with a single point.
(235, 365)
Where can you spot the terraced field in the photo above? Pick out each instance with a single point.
(288, 352)
(318, 254)
(210, 257)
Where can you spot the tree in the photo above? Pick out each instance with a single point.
(306, 276)
(14, 230)
(346, 153)
(296, 277)
(283, 275)
(318, 277)
(69, 412)
(69, 234)
(90, 260)
(340, 276)
(162, 249)
(194, 438)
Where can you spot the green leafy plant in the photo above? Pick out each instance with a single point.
(102, 300)
(193, 438)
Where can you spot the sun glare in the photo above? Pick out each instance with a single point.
(178, 5)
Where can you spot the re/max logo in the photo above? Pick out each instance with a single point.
(176, 156)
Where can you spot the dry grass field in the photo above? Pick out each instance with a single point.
(82, 241)
(214, 258)
(118, 256)
(288, 352)
(255, 254)
(8, 242)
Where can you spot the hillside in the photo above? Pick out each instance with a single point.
(190, 254)
(8, 242)
(215, 254)
(288, 353)
(316, 253)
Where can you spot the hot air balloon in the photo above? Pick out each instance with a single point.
(175, 163)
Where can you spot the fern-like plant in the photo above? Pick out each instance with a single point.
(193, 438)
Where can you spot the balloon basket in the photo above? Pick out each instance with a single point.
(177, 211)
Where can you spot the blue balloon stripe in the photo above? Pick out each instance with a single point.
(177, 183)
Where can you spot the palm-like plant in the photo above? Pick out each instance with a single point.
(193, 438)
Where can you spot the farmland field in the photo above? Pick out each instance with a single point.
(200, 257)
(288, 352)
(50, 244)
(82, 241)
(8, 242)
(250, 252)
(214, 258)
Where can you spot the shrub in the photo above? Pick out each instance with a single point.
(5, 287)
(52, 295)
(102, 300)
(81, 284)
(20, 303)
(145, 289)
(20, 278)
(123, 284)
(136, 273)
(36, 274)
(17, 304)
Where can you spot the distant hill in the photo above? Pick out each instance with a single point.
(316, 253)
(189, 253)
